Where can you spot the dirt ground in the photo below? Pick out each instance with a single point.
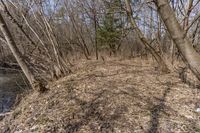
(119, 96)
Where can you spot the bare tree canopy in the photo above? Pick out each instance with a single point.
(99, 66)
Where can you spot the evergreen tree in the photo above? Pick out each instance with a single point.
(110, 31)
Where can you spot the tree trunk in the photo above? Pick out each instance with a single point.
(183, 43)
(160, 61)
(187, 15)
(18, 56)
(95, 27)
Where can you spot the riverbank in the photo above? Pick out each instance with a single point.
(12, 84)
(109, 96)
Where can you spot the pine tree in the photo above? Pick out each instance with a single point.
(110, 31)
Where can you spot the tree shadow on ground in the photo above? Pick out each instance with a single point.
(156, 111)
(94, 114)
(95, 110)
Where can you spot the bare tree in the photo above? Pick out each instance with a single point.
(17, 54)
(163, 66)
(187, 14)
(177, 33)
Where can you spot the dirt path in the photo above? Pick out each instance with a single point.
(114, 96)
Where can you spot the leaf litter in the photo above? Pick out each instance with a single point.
(121, 96)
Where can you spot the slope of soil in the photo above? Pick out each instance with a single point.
(127, 96)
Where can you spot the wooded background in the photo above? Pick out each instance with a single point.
(47, 36)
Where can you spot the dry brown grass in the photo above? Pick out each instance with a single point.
(127, 96)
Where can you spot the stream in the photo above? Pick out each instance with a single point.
(11, 84)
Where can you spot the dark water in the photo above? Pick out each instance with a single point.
(11, 84)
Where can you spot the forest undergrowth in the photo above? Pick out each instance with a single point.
(121, 96)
